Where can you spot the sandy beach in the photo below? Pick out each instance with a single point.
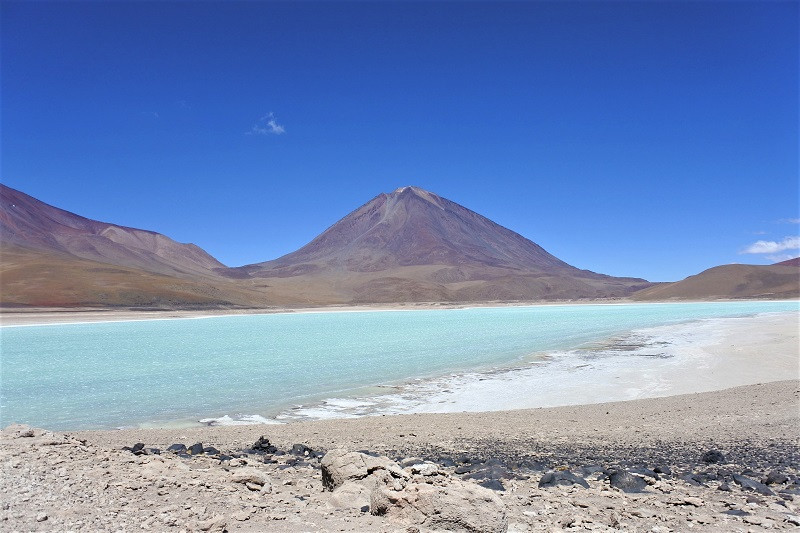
(725, 460)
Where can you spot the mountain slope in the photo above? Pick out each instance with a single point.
(731, 281)
(29, 223)
(412, 245)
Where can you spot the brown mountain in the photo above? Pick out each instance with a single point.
(28, 223)
(52, 258)
(412, 245)
(731, 281)
(795, 261)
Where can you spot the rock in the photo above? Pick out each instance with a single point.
(424, 469)
(350, 495)
(724, 487)
(214, 524)
(713, 456)
(693, 479)
(210, 450)
(663, 470)
(793, 519)
(492, 484)
(751, 484)
(736, 512)
(195, 449)
(301, 450)
(250, 475)
(455, 506)
(775, 478)
(645, 472)
(340, 465)
(409, 461)
(564, 477)
(41, 517)
(627, 482)
(177, 448)
(263, 445)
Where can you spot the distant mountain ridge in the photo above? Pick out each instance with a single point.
(29, 223)
(409, 245)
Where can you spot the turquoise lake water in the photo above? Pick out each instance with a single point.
(157, 372)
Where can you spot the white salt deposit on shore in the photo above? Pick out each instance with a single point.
(698, 356)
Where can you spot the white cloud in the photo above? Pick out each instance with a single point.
(790, 220)
(773, 247)
(266, 125)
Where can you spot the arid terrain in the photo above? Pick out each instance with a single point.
(720, 461)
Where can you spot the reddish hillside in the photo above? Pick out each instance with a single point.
(412, 245)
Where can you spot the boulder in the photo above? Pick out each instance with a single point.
(177, 448)
(751, 484)
(263, 445)
(713, 456)
(339, 466)
(250, 475)
(627, 482)
(565, 477)
(455, 506)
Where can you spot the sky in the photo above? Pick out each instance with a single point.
(647, 139)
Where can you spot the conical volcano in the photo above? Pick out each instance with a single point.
(413, 245)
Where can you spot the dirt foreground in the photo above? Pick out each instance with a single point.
(715, 461)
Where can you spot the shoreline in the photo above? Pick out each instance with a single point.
(717, 461)
(652, 362)
(18, 317)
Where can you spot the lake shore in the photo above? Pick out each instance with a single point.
(693, 461)
(48, 316)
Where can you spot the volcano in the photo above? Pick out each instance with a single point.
(413, 245)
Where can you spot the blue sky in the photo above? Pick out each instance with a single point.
(652, 139)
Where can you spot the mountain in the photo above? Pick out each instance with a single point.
(731, 281)
(413, 245)
(54, 258)
(29, 223)
(795, 261)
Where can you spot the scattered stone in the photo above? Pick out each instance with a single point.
(41, 517)
(713, 456)
(210, 450)
(736, 512)
(301, 450)
(724, 487)
(250, 475)
(627, 482)
(751, 484)
(195, 449)
(263, 445)
(492, 484)
(563, 477)
(663, 470)
(424, 469)
(177, 448)
(775, 478)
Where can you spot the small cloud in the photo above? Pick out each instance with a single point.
(773, 247)
(758, 232)
(266, 125)
(789, 221)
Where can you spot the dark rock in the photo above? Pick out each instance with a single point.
(446, 462)
(263, 445)
(223, 457)
(627, 482)
(301, 450)
(565, 477)
(775, 478)
(713, 456)
(492, 484)
(177, 448)
(464, 469)
(751, 484)
(491, 472)
(137, 447)
(195, 449)
(152, 451)
(591, 469)
(752, 498)
(663, 470)
(724, 487)
(210, 450)
(365, 509)
(184, 456)
(277, 452)
(736, 512)
(645, 472)
(693, 479)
